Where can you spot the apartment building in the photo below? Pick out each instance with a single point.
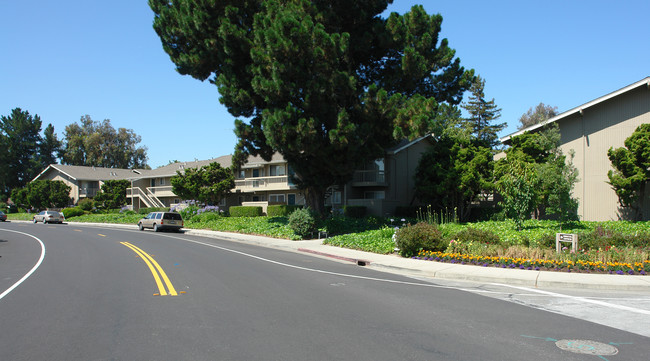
(381, 186)
(589, 130)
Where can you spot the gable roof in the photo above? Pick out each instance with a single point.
(170, 170)
(77, 172)
(89, 173)
(643, 82)
(405, 143)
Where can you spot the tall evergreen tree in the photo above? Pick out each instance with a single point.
(50, 146)
(327, 84)
(631, 175)
(24, 154)
(482, 113)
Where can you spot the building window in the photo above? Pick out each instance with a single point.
(336, 197)
(162, 181)
(276, 170)
(242, 174)
(276, 198)
(291, 199)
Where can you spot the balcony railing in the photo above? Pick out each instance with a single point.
(162, 191)
(263, 183)
(369, 177)
(88, 192)
(149, 200)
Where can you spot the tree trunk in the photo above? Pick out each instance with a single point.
(315, 198)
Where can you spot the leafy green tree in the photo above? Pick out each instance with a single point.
(535, 164)
(482, 113)
(518, 187)
(42, 194)
(631, 172)
(24, 151)
(112, 194)
(539, 114)
(453, 173)
(94, 143)
(19, 197)
(207, 184)
(329, 85)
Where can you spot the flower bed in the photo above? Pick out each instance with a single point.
(635, 268)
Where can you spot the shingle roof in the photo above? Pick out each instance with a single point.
(90, 173)
(170, 170)
(643, 82)
(102, 174)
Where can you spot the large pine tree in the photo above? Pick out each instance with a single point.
(327, 84)
(24, 152)
(482, 113)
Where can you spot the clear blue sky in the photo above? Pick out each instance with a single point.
(64, 59)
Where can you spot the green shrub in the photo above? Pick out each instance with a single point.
(245, 211)
(86, 204)
(342, 225)
(302, 222)
(471, 234)
(281, 210)
(205, 217)
(422, 236)
(376, 240)
(354, 211)
(72, 212)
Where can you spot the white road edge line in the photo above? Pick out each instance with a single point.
(581, 299)
(312, 269)
(26, 276)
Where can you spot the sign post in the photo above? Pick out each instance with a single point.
(566, 238)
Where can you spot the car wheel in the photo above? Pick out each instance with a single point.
(140, 227)
(155, 228)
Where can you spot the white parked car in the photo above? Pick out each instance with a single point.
(49, 217)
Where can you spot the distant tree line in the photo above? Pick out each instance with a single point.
(26, 149)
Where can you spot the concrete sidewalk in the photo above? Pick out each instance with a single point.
(431, 269)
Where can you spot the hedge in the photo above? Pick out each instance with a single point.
(245, 211)
(72, 212)
(281, 210)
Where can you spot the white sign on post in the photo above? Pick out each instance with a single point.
(566, 238)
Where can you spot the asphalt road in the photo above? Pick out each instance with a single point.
(113, 294)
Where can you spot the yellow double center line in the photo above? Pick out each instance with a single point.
(155, 269)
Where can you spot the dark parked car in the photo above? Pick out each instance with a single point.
(49, 217)
(161, 220)
(3, 216)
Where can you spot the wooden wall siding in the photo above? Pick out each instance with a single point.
(591, 135)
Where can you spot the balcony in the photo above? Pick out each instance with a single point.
(162, 191)
(88, 192)
(276, 183)
(369, 178)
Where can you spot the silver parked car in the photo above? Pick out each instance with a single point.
(161, 220)
(49, 217)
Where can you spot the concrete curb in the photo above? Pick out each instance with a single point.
(427, 269)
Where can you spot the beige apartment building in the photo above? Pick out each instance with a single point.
(590, 130)
(381, 186)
